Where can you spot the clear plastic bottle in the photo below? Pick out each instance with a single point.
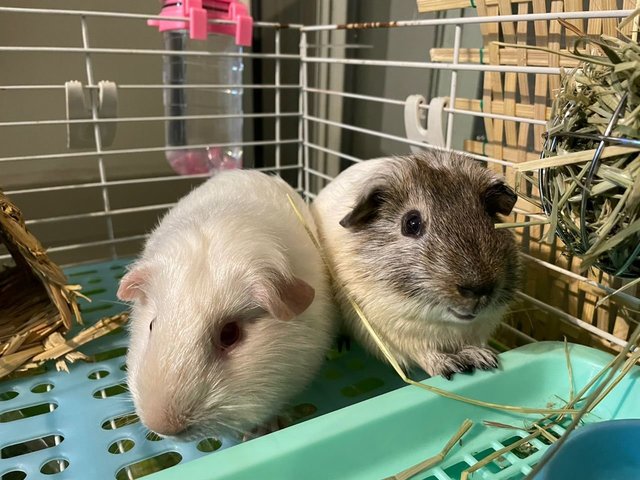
(188, 75)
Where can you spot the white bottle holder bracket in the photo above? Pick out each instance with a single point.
(414, 117)
(82, 135)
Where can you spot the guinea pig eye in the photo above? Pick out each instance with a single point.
(229, 335)
(151, 325)
(412, 224)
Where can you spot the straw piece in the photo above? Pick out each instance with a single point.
(15, 343)
(632, 283)
(489, 423)
(57, 349)
(631, 361)
(521, 224)
(431, 462)
(61, 366)
(53, 340)
(634, 196)
(9, 363)
(553, 217)
(498, 453)
(573, 158)
(569, 369)
(545, 433)
(591, 256)
(629, 19)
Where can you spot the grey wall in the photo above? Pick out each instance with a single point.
(402, 44)
(55, 69)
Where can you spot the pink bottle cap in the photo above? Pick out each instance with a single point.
(199, 12)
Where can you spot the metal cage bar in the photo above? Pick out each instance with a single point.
(307, 119)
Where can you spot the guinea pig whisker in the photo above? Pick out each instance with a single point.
(511, 311)
(114, 302)
(129, 421)
(239, 406)
(145, 431)
(231, 427)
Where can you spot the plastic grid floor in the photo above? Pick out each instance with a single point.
(82, 420)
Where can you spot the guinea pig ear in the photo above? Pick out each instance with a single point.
(365, 210)
(499, 198)
(287, 299)
(132, 284)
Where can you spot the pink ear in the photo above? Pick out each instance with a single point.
(131, 285)
(288, 300)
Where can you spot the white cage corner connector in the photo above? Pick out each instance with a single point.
(413, 117)
(82, 134)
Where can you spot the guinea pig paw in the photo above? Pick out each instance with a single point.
(469, 368)
(270, 427)
(478, 357)
(445, 364)
(343, 342)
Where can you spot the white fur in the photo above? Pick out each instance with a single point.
(415, 333)
(199, 266)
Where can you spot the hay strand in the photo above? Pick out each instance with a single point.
(436, 459)
(597, 394)
(569, 369)
(631, 284)
(533, 223)
(574, 158)
(99, 329)
(498, 453)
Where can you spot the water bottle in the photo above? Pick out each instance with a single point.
(187, 77)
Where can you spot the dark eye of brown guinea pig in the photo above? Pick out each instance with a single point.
(229, 335)
(412, 225)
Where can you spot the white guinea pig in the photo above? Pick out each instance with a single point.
(232, 313)
(412, 240)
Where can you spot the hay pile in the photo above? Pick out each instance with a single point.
(37, 305)
(589, 177)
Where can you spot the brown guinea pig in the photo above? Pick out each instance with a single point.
(413, 241)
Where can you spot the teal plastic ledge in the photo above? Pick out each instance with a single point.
(386, 434)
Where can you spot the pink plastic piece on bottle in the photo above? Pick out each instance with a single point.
(198, 23)
(199, 12)
(201, 161)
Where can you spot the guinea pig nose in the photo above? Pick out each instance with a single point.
(168, 426)
(476, 291)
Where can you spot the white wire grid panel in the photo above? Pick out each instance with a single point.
(98, 203)
(398, 143)
(104, 188)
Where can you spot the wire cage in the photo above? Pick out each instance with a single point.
(333, 87)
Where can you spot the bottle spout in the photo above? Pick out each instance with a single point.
(238, 23)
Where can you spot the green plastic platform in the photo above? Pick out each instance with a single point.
(386, 434)
(356, 421)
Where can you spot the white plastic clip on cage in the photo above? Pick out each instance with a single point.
(317, 98)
